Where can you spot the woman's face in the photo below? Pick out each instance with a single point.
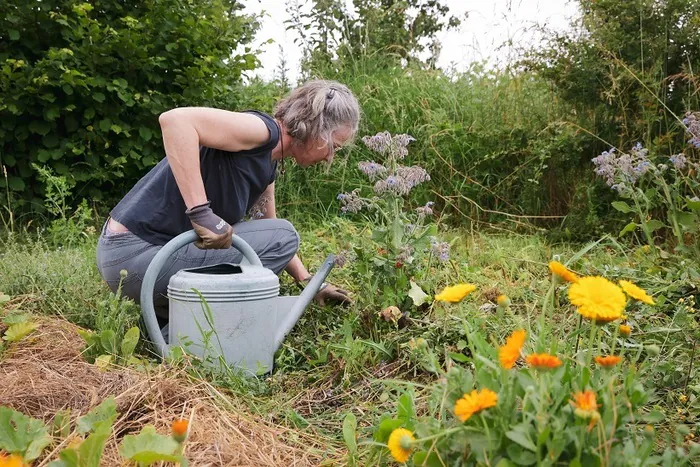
(316, 151)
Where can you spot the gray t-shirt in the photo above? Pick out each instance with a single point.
(155, 211)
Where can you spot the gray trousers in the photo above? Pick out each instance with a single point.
(274, 240)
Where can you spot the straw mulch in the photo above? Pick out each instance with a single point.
(45, 373)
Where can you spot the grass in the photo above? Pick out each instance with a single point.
(350, 360)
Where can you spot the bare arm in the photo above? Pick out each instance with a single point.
(295, 268)
(185, 129)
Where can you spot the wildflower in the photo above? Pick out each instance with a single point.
(561, 271)
(636, 292)
(679, 161)
(400, 444)
(623, 170)
(608, 361)
(13, 460)
(455, 293)
(372, 169)
(426, 210)
(543, 361)
(597, 299)
(585, 404)
(440, 249)
(503, 301)
(625, 330)
(474, 402)
(692, 126)
(386, 144)
(351, 202)
(179, 430)
(510, 352)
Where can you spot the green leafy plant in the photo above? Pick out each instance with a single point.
(22, 435)
(19, 326)
(149, 447)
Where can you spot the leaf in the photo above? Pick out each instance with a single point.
(149, 446)
(423, 459)
(18, 331)
(103, 361)
(4, 298)
(654, 416)
(145, 133)
(458, 357)
(91, 450)
(654, 224)
(693, 204)
(350, 432)
(15, 318)
(129, 342)
(622, 206)
(406, 409)
(522, 439)
(14, 34)
(105, 412)
(108, 340)
(417, 295)
(20, 434)
(688, 220)
(99, 97)
(628, 228)
(40, 127)
(67, 458)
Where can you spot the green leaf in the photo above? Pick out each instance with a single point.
(105, 412)
(20, 434)
(378, 235)
(4, 298)
(108, 340)
(18, 331)
(622, 206)
(654, 224)
(522, 439)
(628, 228)
(67, 458)
(145, 133)
(99, 97)
(459, 357)
(149, 446)
(91, 450)
(350, 432)
(40, 127)
(693, 204)
(103, 361)
(14, 34)
(15, 318)
(521, 456)
(129, 342)
(406, 409)
(654, 416)
(105, 124)
(417, 295)
(688, 220)
(423, 459)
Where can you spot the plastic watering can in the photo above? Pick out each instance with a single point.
(226, 311)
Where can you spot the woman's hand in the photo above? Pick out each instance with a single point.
(213, 231)
(331, 293)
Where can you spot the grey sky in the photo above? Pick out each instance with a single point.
(489, 25)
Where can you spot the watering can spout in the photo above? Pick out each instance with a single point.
(291, 308)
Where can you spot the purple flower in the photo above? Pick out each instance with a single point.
(440, 249)
(351, 202)
(372, 169)
(386, 144)
(426, 210)
(623, 170)
(679, 161)
(692, 127)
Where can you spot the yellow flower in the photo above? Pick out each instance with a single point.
(456, 293)
(597, 299)
(474, 402)
(585, 404)
(625, 330)
(608, 361)
(399, 444)
(510, 352)
(636, 292)
(560, 270)
(543, 361)
(179, 430)
(13, 460)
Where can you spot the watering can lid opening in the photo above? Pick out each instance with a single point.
(217, 269)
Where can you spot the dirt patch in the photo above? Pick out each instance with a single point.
(45, 373)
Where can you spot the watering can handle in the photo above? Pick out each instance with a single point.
(149, 280)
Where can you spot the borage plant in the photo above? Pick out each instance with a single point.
(401, 238)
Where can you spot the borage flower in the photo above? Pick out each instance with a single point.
(597, 299)
(474, 402)
(400, 444)
(510, 352)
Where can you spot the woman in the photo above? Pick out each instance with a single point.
(218, 164)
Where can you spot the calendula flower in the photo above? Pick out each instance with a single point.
(597, 299)
(636, 292)
(474, 402)
(607, 361)
(510, 352)
(456, 293)
(13, 460)
(179, 430)
(625, 330)
(503, 301)
(561, 271)
(543, 361)
(585, 404)
(400, 444)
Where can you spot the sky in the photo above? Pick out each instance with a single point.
(486, 26)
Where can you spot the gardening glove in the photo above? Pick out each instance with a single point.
(213, 231)
(334, 294)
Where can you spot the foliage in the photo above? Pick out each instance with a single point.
(83, 84)
(22, 435)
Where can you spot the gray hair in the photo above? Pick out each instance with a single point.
(317, 109)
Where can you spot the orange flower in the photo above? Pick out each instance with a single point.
(179, 430)
(543, 361)
(561, 271)
(608, 362)
(13, 460)
(510, 352)
(585, 404)
(475, 402)
(625, 330)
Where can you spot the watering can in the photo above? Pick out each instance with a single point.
(226, 311)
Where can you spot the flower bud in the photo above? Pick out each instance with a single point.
(649, 431)
(123, 273)
(652, 350)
